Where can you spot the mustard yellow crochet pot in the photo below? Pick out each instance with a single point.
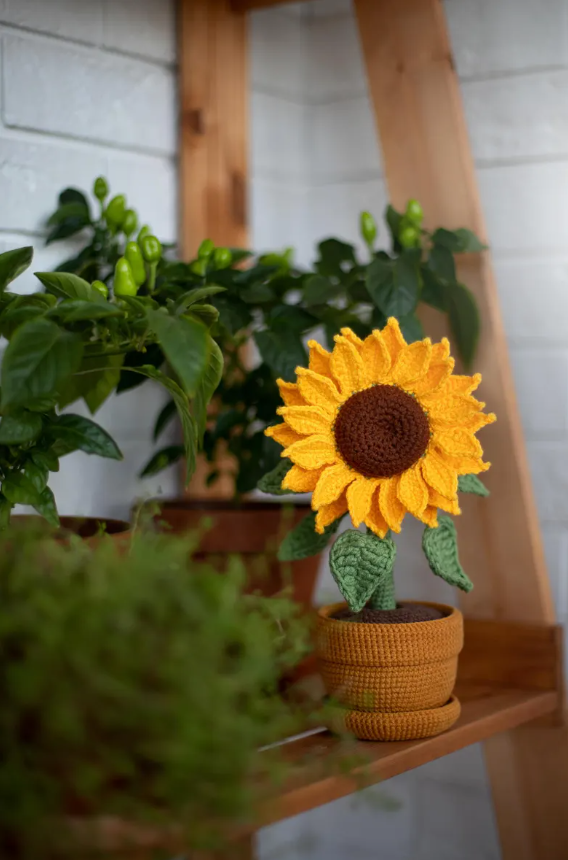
(394, 682)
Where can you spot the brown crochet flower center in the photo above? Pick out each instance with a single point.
(381, 432)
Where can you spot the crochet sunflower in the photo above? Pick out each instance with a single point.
(380, 428)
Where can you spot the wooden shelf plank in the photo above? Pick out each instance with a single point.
(249, 5)
(486, 711)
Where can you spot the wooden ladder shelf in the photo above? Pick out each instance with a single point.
(511, 670)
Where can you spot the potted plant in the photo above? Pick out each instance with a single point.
(134, 698)
(378, 428)
(74, 340)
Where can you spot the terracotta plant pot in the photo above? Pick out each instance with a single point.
(252, 530)
(393, 682)
(88, 528)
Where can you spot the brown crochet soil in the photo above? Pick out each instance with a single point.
(404, 613)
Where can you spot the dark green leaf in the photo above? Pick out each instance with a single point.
(380, 281)
(472, 484)
(440, 547)
(20, 427)
(359, 564)
(185, 344)
(103, 382)
(393, 219)
(318, 290)
(257, 294)
(5, 511)
(469, 241)
(207, 386)
(47, 508)
(166, 414)
(65, 285)
(464, 321)
(153, 356)
(303, 541)
(272, 482)
(38, 360)
(72, 195)
(441, 261)
(407, 283)
(290, 318)
(75, 433)
(446, 239)
(283, 352)
(37, 473)
(180, 398)
(162, 459)
(433, 290)
(196, 295)
(70, 210)
(76, 310)
(47, 459)
(333, 255)
(234, 314)
(411, 328)
(207, 314)
(13, 263)
(19, 489)
(458, 241)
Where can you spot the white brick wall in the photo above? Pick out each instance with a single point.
(88, 88)
(512, 59)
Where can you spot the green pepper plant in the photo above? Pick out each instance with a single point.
(275, 304)
(76, 340)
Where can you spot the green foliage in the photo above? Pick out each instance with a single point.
(272, 482)
(468, 484)
(440, 547)
(135, 685)
(360, 564)
(303, 541)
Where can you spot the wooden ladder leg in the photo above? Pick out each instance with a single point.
(426, 154)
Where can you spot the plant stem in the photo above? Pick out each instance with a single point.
(383, 597)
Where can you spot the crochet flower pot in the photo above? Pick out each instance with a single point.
(379, 428)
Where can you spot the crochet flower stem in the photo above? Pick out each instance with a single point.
(383, 597)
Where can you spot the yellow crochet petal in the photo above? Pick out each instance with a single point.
(430, 517)
(451, 409)
(351, 337)
(306, 419)
(439, 474)
(334, 479)
(312, 452)
(290, 393)
(359, 497)
(329, 513)
(441, 350)
(283, 434)
(318, 391)
(412, 490)
(436, 500)
(376, 357)
(457, 442)
(375, 520)
(393, 338)
(433, 380)
(466, 465)
(461, 384)
(347, 367)
(391, 507)
(412, 363)
(478, 420)
(319, 358)
(301, 480)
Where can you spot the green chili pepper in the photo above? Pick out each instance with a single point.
(130, 222)
(101, 287)
(145, 230)
(409, 237)
(100, 188)
(134, 256)
(199, 267)
(115, 212)
(414, 212)
(205, 249)
(368, 227)
(124, 283)
(151, 249)
(222, 258)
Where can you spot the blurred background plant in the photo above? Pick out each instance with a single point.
(269, 302)
(136, 684)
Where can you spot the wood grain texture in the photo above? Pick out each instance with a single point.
(250, 5)
(213, 92)
(426, 154)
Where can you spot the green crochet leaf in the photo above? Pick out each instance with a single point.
(304, 541)
(472, 484)
(272, 481)
(359, 562)
(441, 549)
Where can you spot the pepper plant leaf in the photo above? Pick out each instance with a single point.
(65, 285)
(74, 433)
(165, 416)
(46, 507)
(207, 386)
(465, 324)
(359, 563)
(162, 459)
(20, 427)
(440, 547)
(185, 343)
(13, 263)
